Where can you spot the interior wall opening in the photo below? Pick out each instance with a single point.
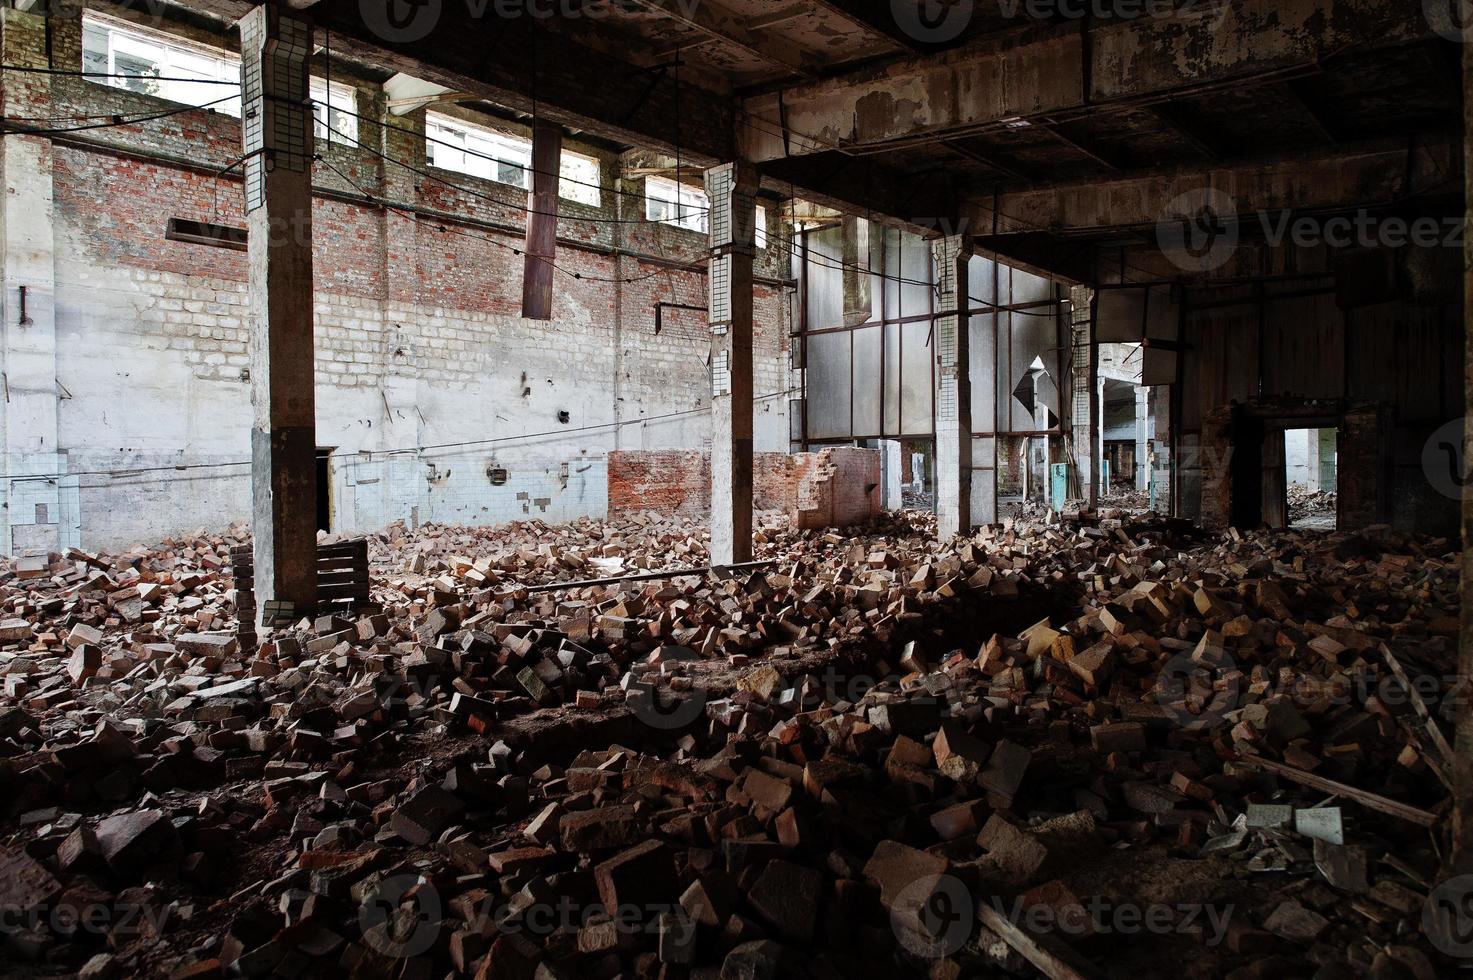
(1310, 475)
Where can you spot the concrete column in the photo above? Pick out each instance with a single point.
(277, 129)
(1098, 485)
(731, 189)
(1142, 438)
(1324, 454)
(541, 251)
(1083, 371)
(41, 509)
(953, 388)
(892, 496)
(1461, 859)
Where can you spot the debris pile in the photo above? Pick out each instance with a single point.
(1317, 506)
(1040, 749)
(1124, 496)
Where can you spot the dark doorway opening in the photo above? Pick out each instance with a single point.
(324, 490)
(1248, 467)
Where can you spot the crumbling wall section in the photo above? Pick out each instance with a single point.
(831, 488)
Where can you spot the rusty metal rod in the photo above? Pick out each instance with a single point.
(650, 576)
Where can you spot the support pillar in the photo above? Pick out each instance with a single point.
(541, 251)
(1142, 438)
(953, 388)
(41, 511)
(277, 131)
(1461, 857)
(1099, 486)
(732, 192)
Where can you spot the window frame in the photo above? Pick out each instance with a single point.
(500, 151)
(700, 220)
(328, 97)
(671, 192)
(225, 64)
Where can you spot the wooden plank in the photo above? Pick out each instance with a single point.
(356, 546)
(343, 592)
(1047, 954)
(1439, 753)
(1370, 801)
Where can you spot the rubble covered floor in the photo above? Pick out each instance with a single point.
(1093, 749)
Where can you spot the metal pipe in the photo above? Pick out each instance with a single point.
(650, 576)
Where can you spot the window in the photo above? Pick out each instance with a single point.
(480, 152)
(151, 63)
(580, 179)
(334, 105)
(670, 202)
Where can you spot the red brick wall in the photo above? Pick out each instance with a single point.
(831, 488)
(837, 487)
(668, 481)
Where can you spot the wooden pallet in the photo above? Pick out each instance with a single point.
(342, 583)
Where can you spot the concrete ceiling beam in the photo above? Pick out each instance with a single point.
(726, 28)
(1050, 76)
(1329, 179)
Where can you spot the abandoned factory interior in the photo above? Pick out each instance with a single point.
(735, 489)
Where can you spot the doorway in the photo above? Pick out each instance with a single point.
(1310, 477)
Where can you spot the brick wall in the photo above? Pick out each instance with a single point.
(830, 488)
(1366, 483)
(837, 487)
(427, 377)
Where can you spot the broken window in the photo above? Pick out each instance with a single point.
(669, 202)
(580, 179)
(492, 155)
(149, 62)
(152, 63)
